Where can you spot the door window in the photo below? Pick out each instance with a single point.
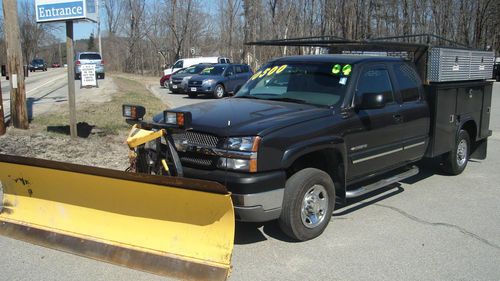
(376, 80)
(408, 82)
(178, 64)
(229, 71)
(238, 69)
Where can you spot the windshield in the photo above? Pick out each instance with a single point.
(195, 69)
(37, 61)
(213, 70)
(322, 84)
(90, 56)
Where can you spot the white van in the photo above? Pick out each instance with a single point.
(183, 63)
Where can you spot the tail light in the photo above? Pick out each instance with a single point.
(102, 62)
(78, 62)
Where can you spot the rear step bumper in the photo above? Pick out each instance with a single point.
(413, 170)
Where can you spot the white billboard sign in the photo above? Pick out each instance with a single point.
(62, 10)
(88, 77)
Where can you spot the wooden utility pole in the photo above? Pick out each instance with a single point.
(18, 111)
(71, 78)
(2, 120)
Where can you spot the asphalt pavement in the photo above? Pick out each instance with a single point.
(41, 87)
(429, 227)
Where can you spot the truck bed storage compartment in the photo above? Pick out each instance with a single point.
(453, 103)
(451, 64)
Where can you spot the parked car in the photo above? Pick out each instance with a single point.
(219, 80)
(185, 63)
(179, 81)
(37, 64)
(165, 79)
(89, 58)
(56, 65)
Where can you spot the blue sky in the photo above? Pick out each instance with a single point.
(83, 29)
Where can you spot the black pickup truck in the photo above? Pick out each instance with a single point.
(307, 131)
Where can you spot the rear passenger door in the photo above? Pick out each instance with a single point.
(414, 111)
(373, 139)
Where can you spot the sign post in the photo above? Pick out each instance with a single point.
(71, 78)
(67, 11)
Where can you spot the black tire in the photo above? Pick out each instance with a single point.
(292, 220)
(192, 95)
(102, 76)
(77, 76)
(455, 161)
(165, 84)
(219, 91)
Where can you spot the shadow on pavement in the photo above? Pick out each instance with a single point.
(83, 129)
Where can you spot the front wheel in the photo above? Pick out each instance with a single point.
(455, 161)
(219, 91)
(307, 204)
(192, 95)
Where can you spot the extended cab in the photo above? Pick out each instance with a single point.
(307, 131)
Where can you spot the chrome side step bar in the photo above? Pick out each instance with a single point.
(381, 183)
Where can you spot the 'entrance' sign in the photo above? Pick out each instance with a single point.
(61, 10)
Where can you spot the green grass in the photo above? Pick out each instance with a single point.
(107, 116)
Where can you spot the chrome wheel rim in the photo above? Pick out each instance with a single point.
(219, 91)
(314, 206)
(462, 152)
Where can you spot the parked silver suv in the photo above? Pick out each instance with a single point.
(89, 58)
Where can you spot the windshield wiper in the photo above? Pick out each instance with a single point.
(288, 100)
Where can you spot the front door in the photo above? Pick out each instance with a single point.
(373, 138)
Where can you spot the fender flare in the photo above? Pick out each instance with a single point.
(327, 142)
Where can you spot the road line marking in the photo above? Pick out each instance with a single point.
(36, 88)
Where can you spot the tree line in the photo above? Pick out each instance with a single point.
(141, 36)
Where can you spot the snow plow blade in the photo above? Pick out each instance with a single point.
(176, 227)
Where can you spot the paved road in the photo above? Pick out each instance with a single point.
(431, 227)
(46, 89)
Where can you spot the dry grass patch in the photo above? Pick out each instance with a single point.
(107, 116)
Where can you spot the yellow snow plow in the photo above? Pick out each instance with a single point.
(169, 226)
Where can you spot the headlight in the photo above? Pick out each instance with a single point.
(186, 78)
(209, 81)
(135, 112)
(240, 154)
(242, 143)
(180, 119)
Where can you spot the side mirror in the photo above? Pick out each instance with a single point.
(371, 101)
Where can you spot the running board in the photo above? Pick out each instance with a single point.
(381, 183)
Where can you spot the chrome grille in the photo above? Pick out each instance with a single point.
(198, 139)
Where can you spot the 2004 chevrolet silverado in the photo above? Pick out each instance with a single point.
(307, 131)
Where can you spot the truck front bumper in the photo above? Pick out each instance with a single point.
(256, 197)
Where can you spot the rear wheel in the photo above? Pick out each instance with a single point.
(307, 204)
(455, 161)
(219, 91)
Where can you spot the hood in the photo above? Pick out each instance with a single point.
(247, 117)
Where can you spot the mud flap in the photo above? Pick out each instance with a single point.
(176, 227)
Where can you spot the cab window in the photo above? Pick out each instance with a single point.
(178, 64)
(376, 80)
(408, 82)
